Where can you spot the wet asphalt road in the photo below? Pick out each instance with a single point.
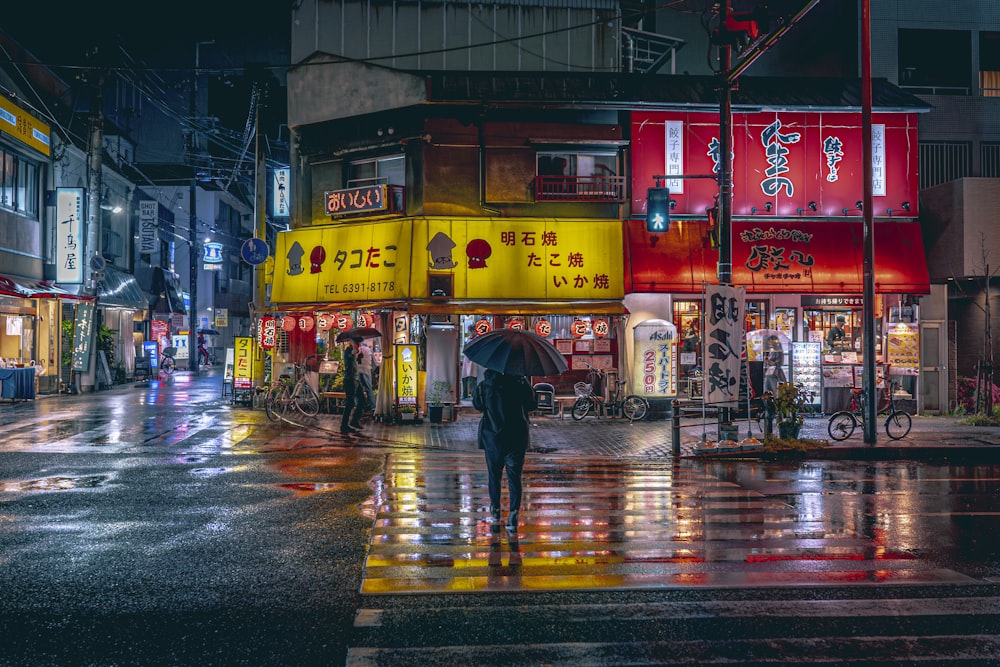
(158, 525)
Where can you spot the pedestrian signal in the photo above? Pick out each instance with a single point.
(657, 210)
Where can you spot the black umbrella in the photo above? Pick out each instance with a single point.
(360, 332)
(209, 332)
(516, 352)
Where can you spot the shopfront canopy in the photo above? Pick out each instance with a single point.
(28, 288)
(119, 289)
(166, 293)
(790, 257)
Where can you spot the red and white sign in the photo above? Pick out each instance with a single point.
(803, 164)
(483, 327)
(306, 323)
(517, 324)
(578, 329)
(267, 332)
(543, 328)
(601, 328)
(288, 323)
(343, 322)
(366, 320)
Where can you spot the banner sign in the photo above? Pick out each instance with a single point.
(406, 375)
(655, 343)
(82, 330)
(148, 225)
(279, 201)
(243, 365)
(785, 163)
(69, 241)
(723, 343)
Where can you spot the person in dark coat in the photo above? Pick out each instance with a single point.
(350, 423)
(504, 434)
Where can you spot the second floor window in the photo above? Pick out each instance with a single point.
(578, 176)
(389, 170)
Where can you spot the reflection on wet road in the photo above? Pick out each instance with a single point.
(595, 523)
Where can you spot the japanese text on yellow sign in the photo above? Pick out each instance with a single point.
(406, 374)
(342, 263)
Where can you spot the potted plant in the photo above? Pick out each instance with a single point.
(440, 390)
(791, 402)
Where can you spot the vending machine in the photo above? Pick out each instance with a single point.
(807, 368)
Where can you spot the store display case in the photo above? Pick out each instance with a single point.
(807, 368)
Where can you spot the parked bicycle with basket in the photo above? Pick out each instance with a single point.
(630, 406)
(842, 424)
(293, 394)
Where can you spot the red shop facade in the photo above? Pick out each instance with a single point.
(797, 238)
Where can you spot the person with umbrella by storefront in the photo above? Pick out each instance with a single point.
(505, 398)
(349, 422)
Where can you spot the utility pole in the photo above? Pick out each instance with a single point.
(725, 267)
(193, 247)
(868, 307)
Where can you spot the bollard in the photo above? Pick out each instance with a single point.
(675, 438)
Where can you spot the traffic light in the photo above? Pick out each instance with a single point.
(740, 29)
(657, 210)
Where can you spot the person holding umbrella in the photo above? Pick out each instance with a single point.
(505, 398)
(349, 423)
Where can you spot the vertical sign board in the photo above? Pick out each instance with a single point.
(69, 242)
(147, 226)
(723, 343)
(406, 376)
(243, 363)
(82, 335)
(653, 375)
(279, 203)
(151, 349)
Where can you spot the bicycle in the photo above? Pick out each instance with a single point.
(843, 423)
(631, 406)
(287, 394)
(167, 363)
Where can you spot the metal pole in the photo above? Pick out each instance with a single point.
(725, 266)
(868, 310)
(675, 434)
(193, 272)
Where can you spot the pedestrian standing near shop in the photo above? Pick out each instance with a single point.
(504, 434)
(366, 359)
(349, 423)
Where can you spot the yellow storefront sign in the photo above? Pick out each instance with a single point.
(501, 258)
(452, 258)
(406, 375)
(18, 123)
(369, 262)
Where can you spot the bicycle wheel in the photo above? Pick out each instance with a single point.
(582, 408)
(307, 401)
(634, 407)
(841, 425)
(167, 366)
(898, 424)
(271, 403)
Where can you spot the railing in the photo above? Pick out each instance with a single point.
(579, 188)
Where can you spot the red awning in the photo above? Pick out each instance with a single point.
(28, 288)
(807, 257)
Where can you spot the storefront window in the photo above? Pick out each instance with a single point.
(688, 320)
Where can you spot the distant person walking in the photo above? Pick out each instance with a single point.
(504, 434)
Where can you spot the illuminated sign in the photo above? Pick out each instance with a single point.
(368, 262)
(243, 362)
(406, 375)
(267, 332)
(69, 242)
(213, 253)
(357, 200)
(19, 124)
(655, 343)
(279, 202)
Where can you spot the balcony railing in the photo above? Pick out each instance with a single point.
(580, 188)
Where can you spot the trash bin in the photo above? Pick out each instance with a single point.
(545, 395)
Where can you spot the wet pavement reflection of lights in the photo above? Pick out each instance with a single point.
(595, 523)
